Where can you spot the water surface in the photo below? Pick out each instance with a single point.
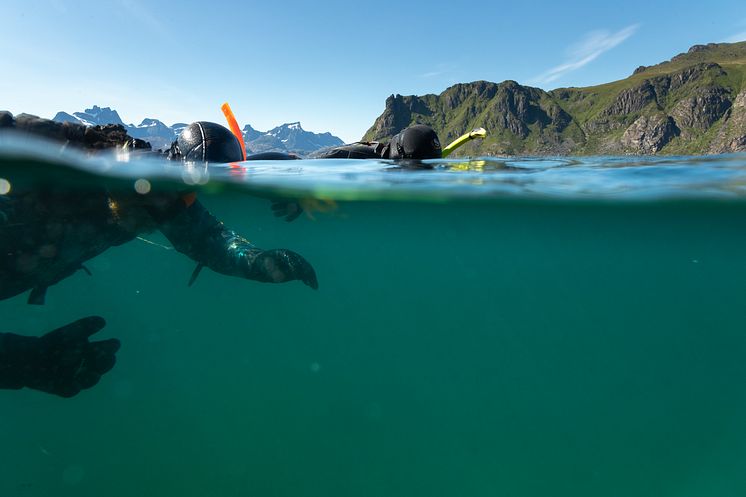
(523, 327)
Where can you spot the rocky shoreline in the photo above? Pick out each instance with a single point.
(90, 138)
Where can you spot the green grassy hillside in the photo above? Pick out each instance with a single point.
(695, 104)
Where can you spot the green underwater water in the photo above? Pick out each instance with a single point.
(461, 348)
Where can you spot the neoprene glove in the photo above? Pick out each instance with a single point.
(62, 362)
(281, 265)
(289, 209)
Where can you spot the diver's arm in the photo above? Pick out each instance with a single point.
(359, 150)
(198, 234)
(62, 362)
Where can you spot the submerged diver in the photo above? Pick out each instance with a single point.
(47, 233)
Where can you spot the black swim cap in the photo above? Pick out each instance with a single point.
(416, 142)
(209, 142)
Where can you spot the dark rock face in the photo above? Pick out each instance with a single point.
(558, 117)
(649, 134)
(732, 135)
(601, 125)
(694, 73)
(457, 94)
(518, 107)
(667, 84)
(632, 100)
(398, 114)
(651, 92)
(509, 105)
(629, 101)
(703, 109)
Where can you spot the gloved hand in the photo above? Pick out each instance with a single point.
(62, 362)
(280, 265)
(289, 209)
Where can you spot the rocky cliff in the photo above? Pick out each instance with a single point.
(693, 104)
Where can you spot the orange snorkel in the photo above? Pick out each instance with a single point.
(233, 125)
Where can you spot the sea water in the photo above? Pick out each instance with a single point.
(493, 327)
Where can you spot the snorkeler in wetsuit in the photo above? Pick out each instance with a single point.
(47, 234)
(415, 142)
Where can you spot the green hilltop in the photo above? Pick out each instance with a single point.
(694, 103)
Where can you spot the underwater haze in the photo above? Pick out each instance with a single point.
(517, 327)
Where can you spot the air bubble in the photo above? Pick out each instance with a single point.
(142, 186)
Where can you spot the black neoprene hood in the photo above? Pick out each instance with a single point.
(416, 142)
(209, 142)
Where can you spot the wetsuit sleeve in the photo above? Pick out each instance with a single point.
(360, 150)
(199, 235)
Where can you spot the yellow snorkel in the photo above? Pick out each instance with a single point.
(476, 133)
(233, 125)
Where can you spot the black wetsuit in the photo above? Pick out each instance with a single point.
(415, 142)
(47, 234)
(359, 150)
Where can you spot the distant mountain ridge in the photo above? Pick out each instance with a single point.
(290, 137)
(693, 104)
(153, 131)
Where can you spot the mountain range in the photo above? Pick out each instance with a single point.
(289, 137)
(694, 103)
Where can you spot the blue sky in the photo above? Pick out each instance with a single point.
(329, 64)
